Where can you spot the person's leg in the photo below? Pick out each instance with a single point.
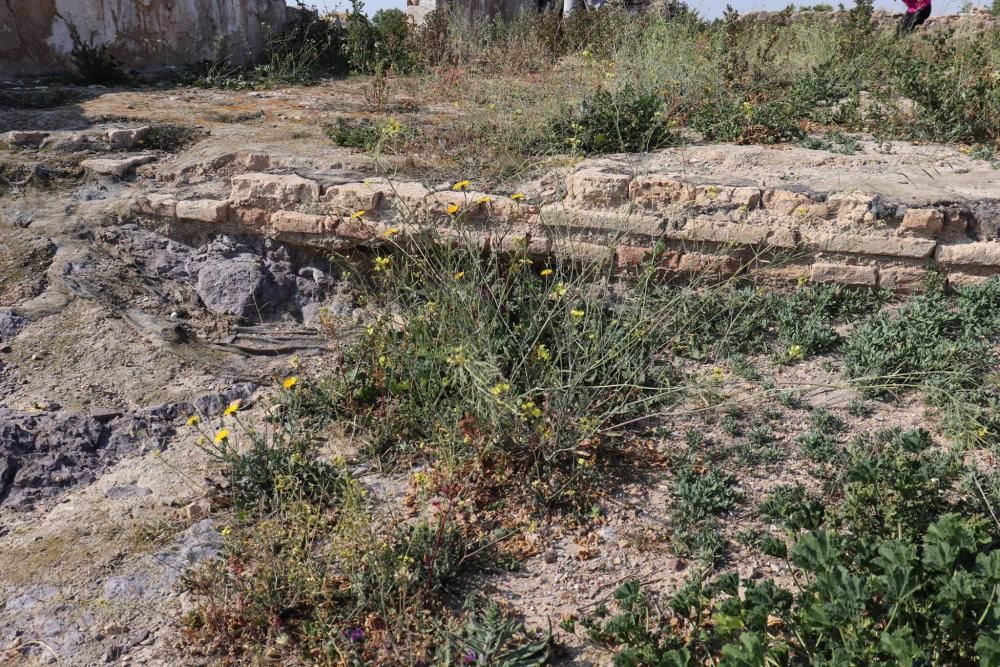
(920, 16)
(906, 25)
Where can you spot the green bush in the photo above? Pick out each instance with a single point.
(625, 120)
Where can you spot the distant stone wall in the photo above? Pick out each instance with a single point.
(471, 10)
(38, 36)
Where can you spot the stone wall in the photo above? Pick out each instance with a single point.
(38, 36)
(599, 214)
(471, 10)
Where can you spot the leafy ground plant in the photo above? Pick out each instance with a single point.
(915, 583)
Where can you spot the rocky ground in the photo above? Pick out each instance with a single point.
(136, 291)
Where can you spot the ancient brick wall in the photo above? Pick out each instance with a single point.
(38, 36)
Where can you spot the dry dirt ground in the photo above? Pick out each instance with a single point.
(108, 342)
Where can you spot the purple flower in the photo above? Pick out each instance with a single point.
(469, 658)
(355, 635)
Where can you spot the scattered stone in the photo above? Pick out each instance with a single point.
(25, 138)
(550, 556)
(233, 286)
(116, 166)
(128, 138)
(198, 510)
(11, 324)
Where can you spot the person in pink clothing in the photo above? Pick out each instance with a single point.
(917, 12)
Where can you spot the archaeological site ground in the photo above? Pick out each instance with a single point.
(623, 337)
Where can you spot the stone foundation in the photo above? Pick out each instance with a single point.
(598, 214)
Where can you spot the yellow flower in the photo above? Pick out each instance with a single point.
(802, 280)
(795, 352)
(221, 436)
(716, 373)
(193, 419)
(982, 432)
(543, 353)
(500, 388)
(461, 185)
(546, 273)
(452, 209)
(290, 382)
(558, 290)
(484, 200)
(530, 409)
(227, 531)
(358, 214)
(577, 313)
(517, 196)
(382, 263)
(233, 407)
(392, 231)
(459, 275)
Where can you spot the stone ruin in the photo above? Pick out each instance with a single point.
(41, 36)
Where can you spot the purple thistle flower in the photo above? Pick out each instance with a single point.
(355, 634)
(469, 658)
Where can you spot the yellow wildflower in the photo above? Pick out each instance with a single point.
(546, 273)
(982, 432)
(193, 419)
(382, 263)
(459, 275)
(221, 436)
(795, 352)
(485, 199)
(517, 196)
(577, 314)
(233, 407)
(358, 214)
(227, 531)
(452, 209)
(392, 231)
(290, 382)
(717, 374)
(543, 353)
(500, 388)
(461, 185)
(530, 409)
(558, 290)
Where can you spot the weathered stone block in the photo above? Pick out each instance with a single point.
(922, 221)
(595, 188)
(301, 223)
(785, 202)
(559, 217)
(274, 191)
(694, 262)
(902, 278)
(659, 192)
(203, 210)
(724, 196)
(350, 197)
(868, 245)
(163, 206)
(127, 138)
(738, 233)
(851, 206)
(116, 166)
(844, 274)
(631, 258)
(985, 253)
(24, 138)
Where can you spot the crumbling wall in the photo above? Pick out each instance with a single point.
(39, 36)
(471, 10)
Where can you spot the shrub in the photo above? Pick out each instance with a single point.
(626, 120)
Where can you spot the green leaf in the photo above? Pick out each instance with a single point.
(901, 646)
